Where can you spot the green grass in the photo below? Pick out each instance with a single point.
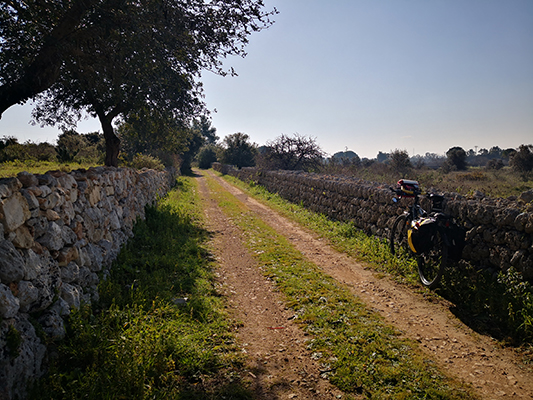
(138, 342)
(497, 304)
(356, 349)
(12, 168)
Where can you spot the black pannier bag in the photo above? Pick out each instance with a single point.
(420, 235)
(456, 236)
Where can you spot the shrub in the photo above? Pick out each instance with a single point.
(145, 161)
(494, 164)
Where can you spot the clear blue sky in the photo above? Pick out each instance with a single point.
(374, 75)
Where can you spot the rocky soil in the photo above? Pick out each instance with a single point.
(280, 366)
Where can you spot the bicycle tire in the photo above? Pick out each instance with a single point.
(431, 264)
(398, 235)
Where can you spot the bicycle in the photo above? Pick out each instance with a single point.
(431, 238)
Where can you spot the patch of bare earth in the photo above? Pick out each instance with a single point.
(281, 363)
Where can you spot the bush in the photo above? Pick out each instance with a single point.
(145, 161)
(495, 164)
(522, 161)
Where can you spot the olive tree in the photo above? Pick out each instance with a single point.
(109, 58)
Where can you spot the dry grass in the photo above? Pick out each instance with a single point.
(492, 183)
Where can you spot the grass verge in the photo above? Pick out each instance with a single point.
(12, 168)
(355, 347)
(143, 340)
(497, 304)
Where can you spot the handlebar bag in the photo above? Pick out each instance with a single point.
(408, 187)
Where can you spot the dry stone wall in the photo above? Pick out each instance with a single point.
(59, 234)
(499, 231)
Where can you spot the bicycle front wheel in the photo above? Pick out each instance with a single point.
(398, 235)
(431, 264)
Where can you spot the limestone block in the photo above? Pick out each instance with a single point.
(95, 215)
(34, 265)
(527, 196)
(114, 221)
(51, 215)
(70, 273)
(5, 191)
(52, 239)
(11, 263)
(67, 181)
(66, 255)
(27, 179)
(71, 294)
(45, 191)
(51, 201)
(27, 295)
(521, 220)
(9, 304)
(84, 258)
(52, 323)
(73, 195)
(68, 236)
(14, 211)
(39, 225)
(47, 180)
(33, 203)
(93, 194)
(68, 213)
(24, 238)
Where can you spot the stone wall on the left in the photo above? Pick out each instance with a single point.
(59, 233)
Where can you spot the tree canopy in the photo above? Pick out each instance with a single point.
(238, 150)
(109, 58)
(456, 158)
(293, 153)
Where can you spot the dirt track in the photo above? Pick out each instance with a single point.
(281, 367)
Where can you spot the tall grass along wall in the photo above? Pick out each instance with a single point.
(58, 235)
(499, 231)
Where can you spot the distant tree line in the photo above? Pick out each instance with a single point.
(456, 159)
(173, 143)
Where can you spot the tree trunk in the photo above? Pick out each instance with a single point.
(112, 142)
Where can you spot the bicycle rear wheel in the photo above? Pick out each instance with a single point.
(431, 264)
(398, 235)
